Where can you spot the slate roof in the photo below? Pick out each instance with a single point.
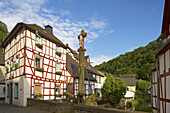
(130, 80)
(42, 32)
(2, 59)
(72, 65)
(165, 28)
(166, 17)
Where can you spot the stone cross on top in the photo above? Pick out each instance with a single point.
(81, 39)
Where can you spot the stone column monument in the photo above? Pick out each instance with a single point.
(81, 50)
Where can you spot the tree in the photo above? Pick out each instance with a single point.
(114, 89)
(137, 62)
(3, 32)
(142, 85)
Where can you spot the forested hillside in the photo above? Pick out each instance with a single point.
(137, 62)
(3, 33)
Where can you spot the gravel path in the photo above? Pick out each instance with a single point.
(8, 108)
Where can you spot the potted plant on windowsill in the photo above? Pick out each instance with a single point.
(6, 69)
(58, 73)
(58, 95)
(58, 53)
(39, 46)
(11, 68)
(39, 69)
(16, 65)
(38, 96)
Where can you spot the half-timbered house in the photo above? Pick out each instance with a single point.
(130, 81)
(36, 62)
(161, 74)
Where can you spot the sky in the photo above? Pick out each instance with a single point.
(113, 26)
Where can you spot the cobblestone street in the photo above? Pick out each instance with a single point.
(7, 108)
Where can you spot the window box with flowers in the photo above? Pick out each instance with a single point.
(16, 65)
(38, 96)
(58, 53)
(39, 69)
(58, 73)
(39, 46)
(6, 69)
(12, 68)
(58, 95)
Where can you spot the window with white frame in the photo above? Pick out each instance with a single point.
(12, 64)
(38, 39)
(16, 91)
(58, 67)
(58, 48)
(58, 89)
(17, 62)
(38, 62)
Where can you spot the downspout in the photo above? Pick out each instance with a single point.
(158, 84)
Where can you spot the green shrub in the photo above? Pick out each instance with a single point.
(129, 104)
(134, 103)
(114, 89)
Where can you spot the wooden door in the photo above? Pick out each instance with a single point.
(70, 88)
(37, 89)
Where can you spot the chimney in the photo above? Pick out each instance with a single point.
(49, 28)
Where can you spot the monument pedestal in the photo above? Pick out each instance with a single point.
(81, 94)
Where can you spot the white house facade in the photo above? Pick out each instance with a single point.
(35, 63)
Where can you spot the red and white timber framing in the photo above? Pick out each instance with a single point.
(160, 82)
(26, 76)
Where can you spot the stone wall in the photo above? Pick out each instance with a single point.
(65, 107)
(2, 93)
(91, 109)
(51, 106)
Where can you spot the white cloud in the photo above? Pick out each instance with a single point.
(99, 60)
(35, 12)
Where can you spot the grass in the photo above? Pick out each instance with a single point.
(143, 107)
